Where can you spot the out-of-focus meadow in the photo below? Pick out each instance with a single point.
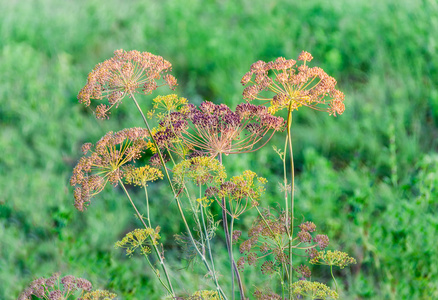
(368, 178)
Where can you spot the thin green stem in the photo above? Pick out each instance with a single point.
(334, 279)
(232, 256)
(291, 232)
(157, 252)
(147, 206)
(228, 242)
(282, 281)
(157, 274)
(207, 237)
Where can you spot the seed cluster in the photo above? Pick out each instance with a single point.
(214, 129)
(313, 290)
(55, 287)
(139, 238)
(241, 192)
(266, 295)
(333, 258)
(126, 73)
(205, 295)
(199, 170)
(293, 85)
(104, 164)
(269, 236)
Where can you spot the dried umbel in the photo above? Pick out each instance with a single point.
(240, 193)
(266, 295)
(304, 271)
(215, 129)
(126, 73)
(269, 236)
(104, 163)
(293, 85)
(59, 288)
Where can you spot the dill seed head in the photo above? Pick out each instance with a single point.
(126, 73)
(104, 163)
(251, 258)
(268, 268)
(211, 191)
(322, 240)
(304, 271)
(266, 295)
(204, 201)
(308, 226)
(163, 106)
(98, 294)
(84, 284)
(155, 161)
(247, 245)
(139, 239)
(214, 129)
(313, 290)
(52, 280)
(54, 288)
(333, 258)
(242, 192)
(69, 283)
(236, 235)
(241, 263)
(200, 170)
(55, 295)
(312, 253)
(205, 295)
(293, 86)
(142, 175)
(304, 237)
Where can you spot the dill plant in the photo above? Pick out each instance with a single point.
(187, 147)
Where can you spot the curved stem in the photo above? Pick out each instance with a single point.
(331, 272)
(232, 256)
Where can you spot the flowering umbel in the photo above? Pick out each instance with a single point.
(293, 85)
(242, 192)
(312, 290)
(104, 163)
(126, 73)
(141, 239)
(333, 258)
(199, 170)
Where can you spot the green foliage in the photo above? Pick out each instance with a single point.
(368, 177)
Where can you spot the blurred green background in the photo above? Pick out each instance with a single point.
(367, 178)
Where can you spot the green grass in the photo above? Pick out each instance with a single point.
(367, 178)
